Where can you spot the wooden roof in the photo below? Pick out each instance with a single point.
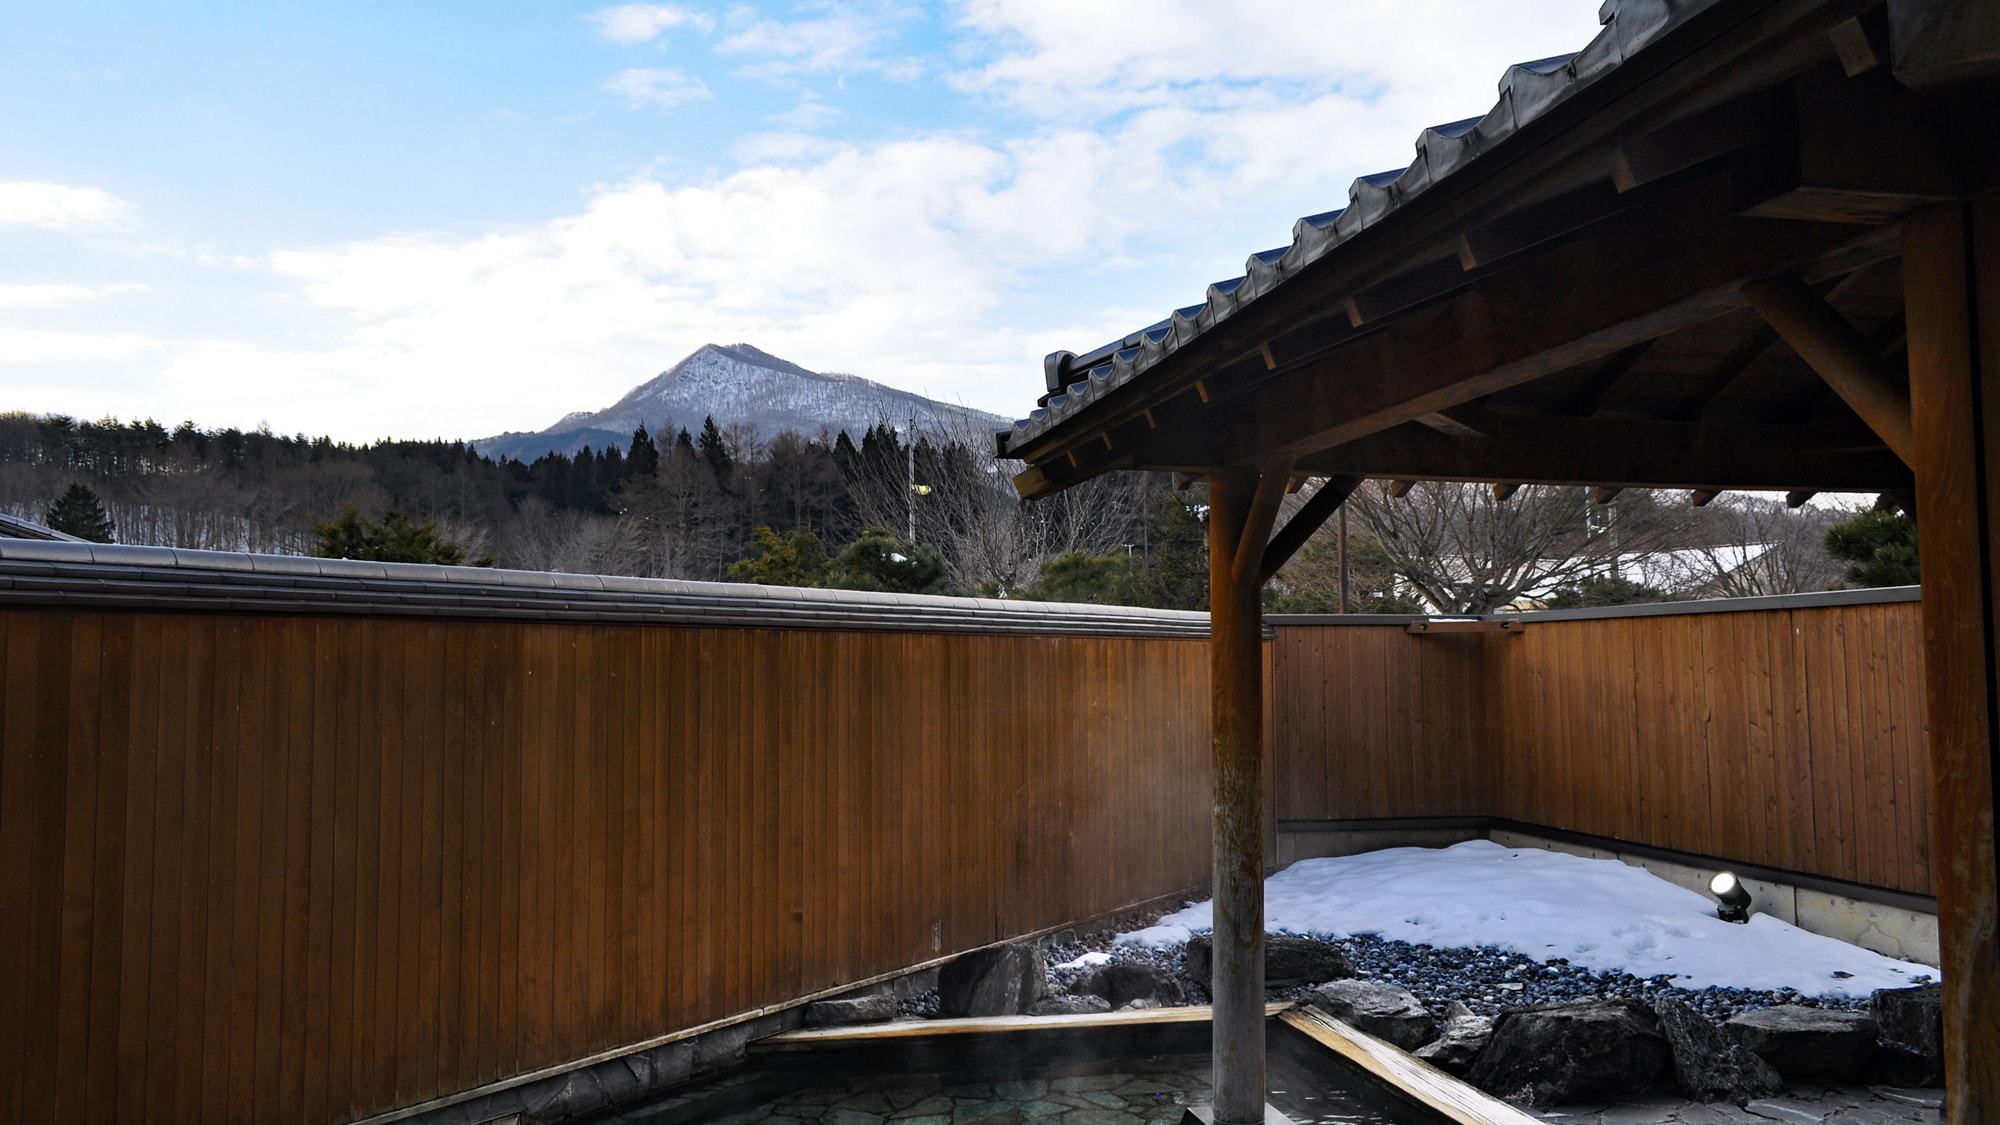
(1659, 281)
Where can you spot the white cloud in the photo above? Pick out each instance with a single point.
(658, 87)
(643, 23)
(810, 113)
(836, 37)
(50, 296)
(1128, 171)
(1442, 58)
(25, 345)
(59, 207)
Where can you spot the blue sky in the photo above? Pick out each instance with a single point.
(429, 219)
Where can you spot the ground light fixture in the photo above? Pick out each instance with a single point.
(1728, 891)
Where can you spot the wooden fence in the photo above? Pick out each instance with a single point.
(295, 868)
(1790, 736)
(347, 840)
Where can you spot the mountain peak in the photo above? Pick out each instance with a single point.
(738, 385)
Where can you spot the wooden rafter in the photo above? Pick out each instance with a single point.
(1639, 276)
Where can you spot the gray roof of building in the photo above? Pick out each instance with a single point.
(1527, 90)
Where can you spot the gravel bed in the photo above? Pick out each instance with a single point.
(1486, 980)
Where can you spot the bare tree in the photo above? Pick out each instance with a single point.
(541, 537)
(965, 506)
(1756, 545)
(1461, 550)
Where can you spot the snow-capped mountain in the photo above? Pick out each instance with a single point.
(740, 384)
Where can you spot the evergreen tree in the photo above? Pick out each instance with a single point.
(396, 539)
(644, 459)
(1879, 547)
(1080, 576)
(797, 559)
(715, 451)
(880, 560)
(77, 512)
(1604, 590)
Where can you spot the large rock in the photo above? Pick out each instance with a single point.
(1892, 1064)
(868, 1007)
(1562, 1054)
(1003, 980)
(1913, 1017)
(1068, 1004)
(1122, 982)
(1463, 1036)
(1709, 1063)
(1289, 960)
(1820, 1045)
(1382, 1010)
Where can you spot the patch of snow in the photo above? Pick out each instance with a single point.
(1088, 961)
(1597, 913)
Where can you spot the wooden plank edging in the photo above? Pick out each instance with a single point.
(1418, 1080)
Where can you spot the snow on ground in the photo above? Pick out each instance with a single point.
(1597, 913)
(1087, 961)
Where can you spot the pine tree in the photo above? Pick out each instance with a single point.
(1879, 547)
(77, 512)
(715, 451)
(644, 459)
(397, 538)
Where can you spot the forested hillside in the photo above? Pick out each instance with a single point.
(834, 509)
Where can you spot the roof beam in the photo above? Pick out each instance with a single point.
(1326, 500)
(1833, 348)
(1612, 452)
(1641, 275)
(1864, 153)
(1676, 260)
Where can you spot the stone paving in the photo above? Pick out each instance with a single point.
(1877, 1105)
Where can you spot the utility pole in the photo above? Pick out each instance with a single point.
(1340, 549)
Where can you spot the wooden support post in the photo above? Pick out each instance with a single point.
(1951, 287)
(1401, 488)
(1502, 491)
(1834, 349)
(1701, 496)
(1238, 525)
(1797, 497)
(1603, 495)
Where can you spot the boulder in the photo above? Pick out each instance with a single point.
(1122, 982)
(1002, 980)
(1913, 1017)
(1381, 1010)
(1709, 1063)
(1563, 1054)
(1892, 1064)
(1459, 1042)
(1068, 1004)
(1816, 1045)
(867, 1007)
(1289, 960)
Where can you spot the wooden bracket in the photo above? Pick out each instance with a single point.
(1333, 492)
(1833, 348)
